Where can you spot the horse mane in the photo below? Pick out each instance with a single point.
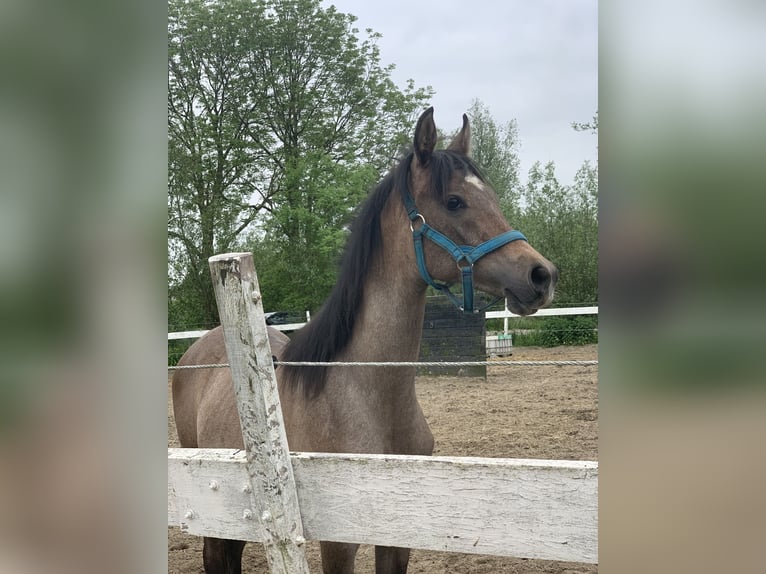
(332, 327)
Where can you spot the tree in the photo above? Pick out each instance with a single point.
(562, 223)
(296, 272)
(214, 192)
(274, 106)
(591, 126)
(495, 149)
(585, 190)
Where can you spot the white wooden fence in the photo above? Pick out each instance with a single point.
(509, 507)
(505, 314)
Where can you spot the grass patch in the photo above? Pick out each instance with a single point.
(176, 349)
(554, 331)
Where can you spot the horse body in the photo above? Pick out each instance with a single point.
(204, 405)
(375, 313)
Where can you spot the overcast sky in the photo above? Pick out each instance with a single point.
(532, 60)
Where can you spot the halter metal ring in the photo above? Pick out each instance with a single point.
(423, 219)
(464, 257)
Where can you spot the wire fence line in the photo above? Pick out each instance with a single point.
(404, 364)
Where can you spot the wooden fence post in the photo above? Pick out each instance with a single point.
(274, 495)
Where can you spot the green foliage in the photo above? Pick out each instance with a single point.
(279, 118)
(298, 249)
(514, 323)
(562, 223)
(591, 126)
(555, 331)
(211, 175)
(176, 349)
(568, 331)
(495, 149)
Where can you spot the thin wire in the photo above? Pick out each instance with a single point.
(210, 366)
(403, 364)
(428, 363)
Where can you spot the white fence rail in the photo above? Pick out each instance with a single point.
(505, 314)
(560, 312)
(503, 507)
(198, 334)
(527, 508)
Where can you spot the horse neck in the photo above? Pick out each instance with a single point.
(390, 322)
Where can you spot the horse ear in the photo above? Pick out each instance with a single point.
(425, 136)
(461, 143)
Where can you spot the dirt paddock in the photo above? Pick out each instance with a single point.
(518, 412)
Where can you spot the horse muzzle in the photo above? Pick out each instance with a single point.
(526, 297)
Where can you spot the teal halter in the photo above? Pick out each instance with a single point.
(458, 252)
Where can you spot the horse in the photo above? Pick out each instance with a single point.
(434, 220)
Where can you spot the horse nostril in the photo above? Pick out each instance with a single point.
(541, 278)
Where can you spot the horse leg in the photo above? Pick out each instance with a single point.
(221, 556)
(337, 557)
(390, 560)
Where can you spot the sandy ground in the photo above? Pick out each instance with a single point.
(519, 412)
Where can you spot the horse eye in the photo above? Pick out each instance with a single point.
(454, 203)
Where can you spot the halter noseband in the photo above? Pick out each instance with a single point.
(458, 252)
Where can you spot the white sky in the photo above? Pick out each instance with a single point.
(532, 60)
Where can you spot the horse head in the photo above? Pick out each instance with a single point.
(460, 233)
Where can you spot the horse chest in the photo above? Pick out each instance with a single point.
(356, 420)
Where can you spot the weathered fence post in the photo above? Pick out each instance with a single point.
(274, 494)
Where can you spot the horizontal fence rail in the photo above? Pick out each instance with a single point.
(559, 312)
(546, 509)
(198, 334)
(505, 314)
